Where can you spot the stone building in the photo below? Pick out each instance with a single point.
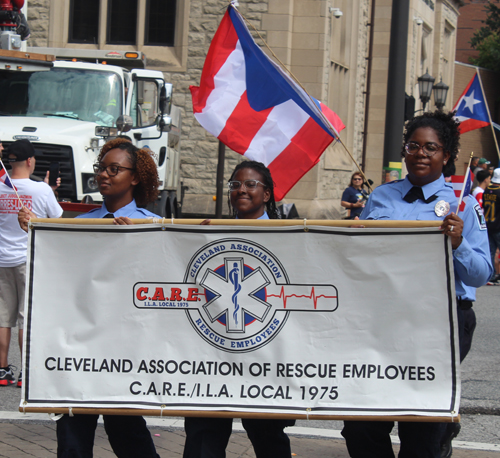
(325, 43)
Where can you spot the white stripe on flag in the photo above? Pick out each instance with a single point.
(229, 87)
(282, 124)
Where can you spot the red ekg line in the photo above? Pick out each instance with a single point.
(311, 296)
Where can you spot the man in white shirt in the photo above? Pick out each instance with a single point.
(39, 198)
(483, 178)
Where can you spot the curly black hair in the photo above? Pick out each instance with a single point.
(146, 190)
(446, 128)
(268, 182)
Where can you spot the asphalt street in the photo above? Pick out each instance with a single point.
(480, 405)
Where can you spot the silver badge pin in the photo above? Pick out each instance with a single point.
(442, 208)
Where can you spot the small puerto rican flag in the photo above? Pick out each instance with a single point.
(462, 185)
(4, 177)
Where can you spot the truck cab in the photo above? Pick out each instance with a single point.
(71, 110)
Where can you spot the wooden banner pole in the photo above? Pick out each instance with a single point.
(251, 222)
(226, 414)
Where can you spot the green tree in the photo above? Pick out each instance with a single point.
(486, 40)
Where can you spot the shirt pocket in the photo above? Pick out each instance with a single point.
(428, 215)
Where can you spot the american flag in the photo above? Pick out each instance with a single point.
(462, 185)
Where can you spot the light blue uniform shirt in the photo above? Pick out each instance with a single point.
(471, 260)
(131, 210)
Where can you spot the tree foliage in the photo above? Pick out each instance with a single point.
(486, 40)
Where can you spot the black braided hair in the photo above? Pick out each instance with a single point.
(268, 182)
(446, 128)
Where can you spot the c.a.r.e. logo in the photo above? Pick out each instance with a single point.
(237, 295)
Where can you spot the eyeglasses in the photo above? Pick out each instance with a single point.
(357, 179)
(429, 149)
(250, 185)
(111, 170)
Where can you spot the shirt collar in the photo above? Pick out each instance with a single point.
(127, 210)
(429, 189)
(264, 216)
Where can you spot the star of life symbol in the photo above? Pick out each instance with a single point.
(241, 289)
(237, 295)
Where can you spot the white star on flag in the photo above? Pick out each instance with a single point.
(470, 101)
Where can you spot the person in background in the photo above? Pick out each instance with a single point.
(491, 205)
(250, 196)
(127, 178)
(482, 164)
(39, 198)
(483, 178)
(430, 147)
(354, 196)
(473, 163)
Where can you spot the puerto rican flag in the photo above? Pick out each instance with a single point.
(471, 108)
(4, 177)
(255, 108)
(462, 185)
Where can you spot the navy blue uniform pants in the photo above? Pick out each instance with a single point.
(128, 436)
(370, 439)
(208, 437)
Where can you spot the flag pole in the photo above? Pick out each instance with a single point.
(488, 111)
(325, 119)
(465, 180)
(10, 179)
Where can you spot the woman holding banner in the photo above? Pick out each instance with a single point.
(251, 196)
(126, 177)
(430, 147)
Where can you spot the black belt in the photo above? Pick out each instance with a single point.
(464, 305)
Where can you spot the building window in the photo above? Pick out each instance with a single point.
(84, 21)
(158, 28)
(160, 23)
(122, 22)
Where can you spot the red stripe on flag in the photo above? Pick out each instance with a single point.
(471, 124)
(243, 125)
(333, 117)
(223, 44)
(303, 152)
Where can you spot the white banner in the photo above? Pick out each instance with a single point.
(326, 322)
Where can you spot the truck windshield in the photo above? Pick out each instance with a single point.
(81, 94)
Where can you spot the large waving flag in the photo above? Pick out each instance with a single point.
(250, 104)
(471, 107)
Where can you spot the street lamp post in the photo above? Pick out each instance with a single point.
(440, 94)
(425, 83)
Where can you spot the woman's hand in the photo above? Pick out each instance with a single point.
(122, 221)
(356, 218)
(23, 217)
(206, 222)
(452, 227)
